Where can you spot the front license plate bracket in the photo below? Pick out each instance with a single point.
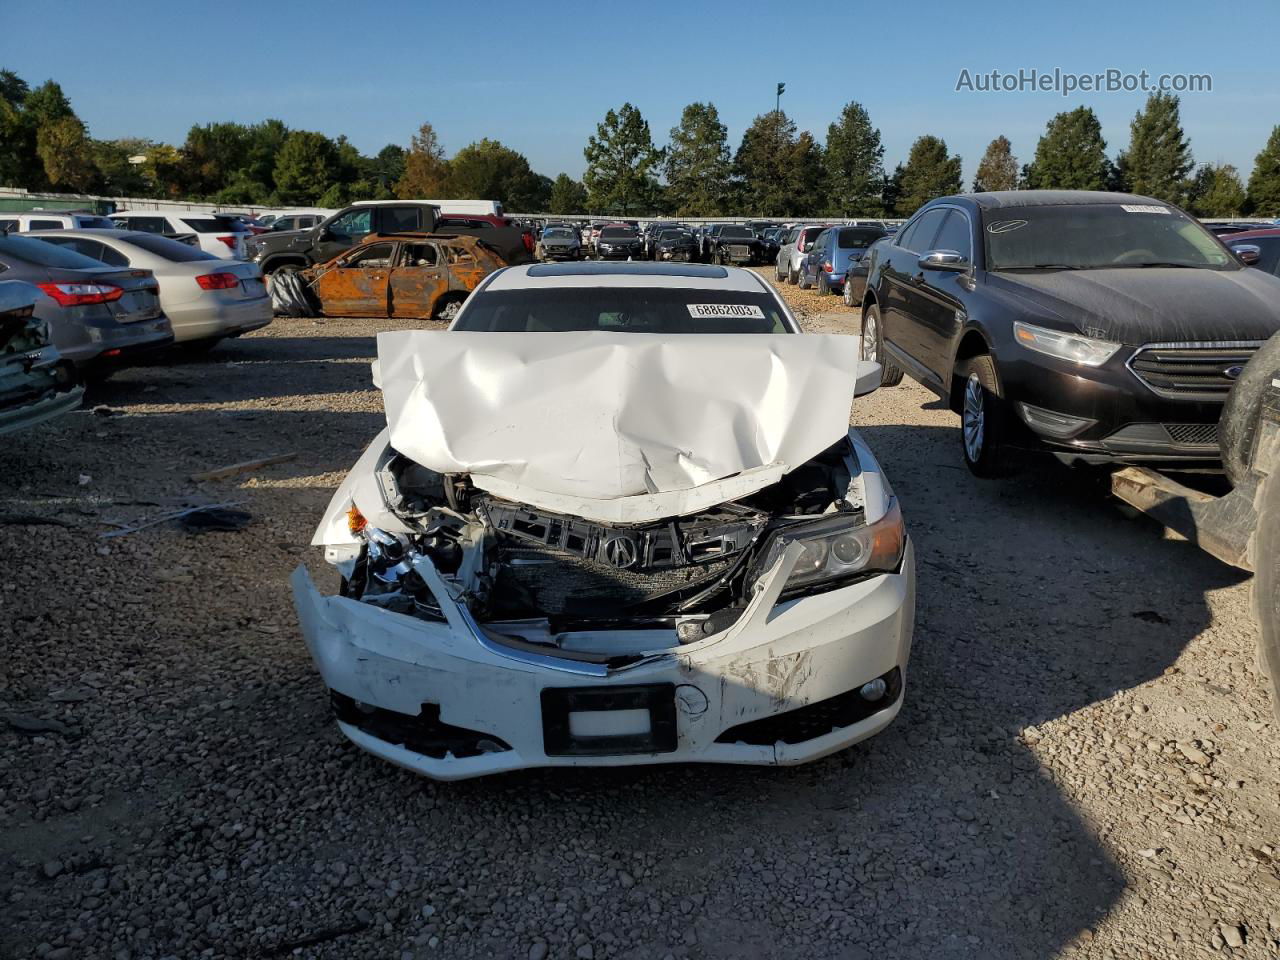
(659, 699)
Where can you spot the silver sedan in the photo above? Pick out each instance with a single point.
(205, 297)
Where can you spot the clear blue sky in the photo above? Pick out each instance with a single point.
(539, 75)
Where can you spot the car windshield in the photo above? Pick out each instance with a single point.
(1099, 236)
(170, 250)
(46, 254)
(736, 233)
(672, 234)
(858, 237)
(617, 233)
(622, 310)
(214, 224)
(558, 234)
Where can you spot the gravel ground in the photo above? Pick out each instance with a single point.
(1085, 764)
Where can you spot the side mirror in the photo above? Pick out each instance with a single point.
(866, 378)
(943, 260)
(1248, 253)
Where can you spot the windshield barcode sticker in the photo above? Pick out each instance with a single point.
(702, 311)
(1143, 208)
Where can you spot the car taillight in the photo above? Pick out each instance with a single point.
(826, 268)
(229, 241)
(81, 294)
(217, 281)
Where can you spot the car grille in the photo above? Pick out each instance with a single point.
(1194, 434)
(739, 251)
(1191, 371)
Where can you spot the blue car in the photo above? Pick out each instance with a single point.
(834, 253)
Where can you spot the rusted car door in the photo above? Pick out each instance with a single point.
(356, 286)
(418, 279)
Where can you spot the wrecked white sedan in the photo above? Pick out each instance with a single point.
(617, 516)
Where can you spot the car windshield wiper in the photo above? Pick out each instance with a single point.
(1043, 266)
(1162, 263)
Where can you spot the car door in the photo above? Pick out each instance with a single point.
(898, 302)
(817, 253)
(357, 285)
(417, 280)
(937, 296)
(344, 232)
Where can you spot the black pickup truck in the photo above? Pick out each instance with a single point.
(297, 249)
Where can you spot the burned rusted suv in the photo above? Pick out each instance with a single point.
(419, 275)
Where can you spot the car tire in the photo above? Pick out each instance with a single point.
(803, 282)
(1266, 586)
(447, 309)
(872, 347)
(793, 276)
(984, 419)
(778, 274)
(1239, 420)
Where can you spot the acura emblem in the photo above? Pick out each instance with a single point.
(1231, 373)
(620, 552)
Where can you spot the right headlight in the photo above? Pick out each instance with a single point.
(838, 547)
(1064, 346)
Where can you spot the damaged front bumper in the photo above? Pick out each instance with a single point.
(786, 683)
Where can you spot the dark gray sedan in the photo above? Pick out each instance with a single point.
(559, 243)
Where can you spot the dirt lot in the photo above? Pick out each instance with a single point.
(1085, 765)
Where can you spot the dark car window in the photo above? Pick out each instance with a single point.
(955, 235)
(1084, 236)
(158, 225)
(8, 224)
(354, 223)
(94, 223)
(856, 238)
(920, 237)
(558, 233)
(171, 250)
(617, 233)
(92, 249)
(820, 242)
(45, 225)
(673, 234)
(400, 219)
(214, 224)
(375, 255)
(44, 254)
(626, 310)
(1270, 247)
(737, 233)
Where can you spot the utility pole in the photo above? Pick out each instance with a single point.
(777, 100)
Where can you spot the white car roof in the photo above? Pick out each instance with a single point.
(688, 276)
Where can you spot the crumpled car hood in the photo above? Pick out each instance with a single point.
(617, 427)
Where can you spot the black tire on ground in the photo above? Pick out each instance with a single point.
(778, 274)
(1266, 585)
(447, 309)
(803, 281)
(793, 276)
(984, 417)
(1239, 420)
(890, 376)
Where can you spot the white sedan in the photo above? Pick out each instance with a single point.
(206, 298)
(617, 516)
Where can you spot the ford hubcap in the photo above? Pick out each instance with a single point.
(973, 420)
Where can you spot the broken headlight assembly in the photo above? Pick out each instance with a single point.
(837, 548)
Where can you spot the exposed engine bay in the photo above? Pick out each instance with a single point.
(583, 588)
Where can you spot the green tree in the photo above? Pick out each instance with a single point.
(809, 176)
(1071, 155)
(891, 191)
(930, 172)
(567, 196)
(1216, 191)
(63, 146)
(1159, 156)
(697, 163)
(488, 170)
(387, 167)
(306, 168)
(854, 163)
(762, 166)
(426, 172)
(998, 168)
(621, 164)
(19, 164)
(116, 175)
(1264, 182)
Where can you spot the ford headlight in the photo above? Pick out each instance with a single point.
(1064, 346)
(837, 548)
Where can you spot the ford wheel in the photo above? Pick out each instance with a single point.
(982, 419)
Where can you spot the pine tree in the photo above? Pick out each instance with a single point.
(1216, 191)
(567, 196)
(1159, 157)
(306, 168)
(1071, 155)
(762, 166)
(998, 168)
(426, 172)
(621, 164)
(854, 168)
(1264, 182)
(930, 172)
(697, 163)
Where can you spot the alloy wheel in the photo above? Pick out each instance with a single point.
(869, 335)
(973, 417)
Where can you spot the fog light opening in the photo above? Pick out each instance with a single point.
(873, 691)
(1050, 423)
